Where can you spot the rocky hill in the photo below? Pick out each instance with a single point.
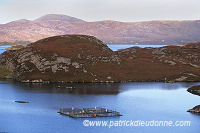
(150, 32)
(64, 58)
(81, 58)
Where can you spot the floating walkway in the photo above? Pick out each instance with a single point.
(88, 112)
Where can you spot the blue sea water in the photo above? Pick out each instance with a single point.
(4, 47)
(145, 101)
(114, 47)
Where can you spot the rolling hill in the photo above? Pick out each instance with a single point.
(81, 58)
(150, 32)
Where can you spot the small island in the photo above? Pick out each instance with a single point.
(196, 91)
(195, 110)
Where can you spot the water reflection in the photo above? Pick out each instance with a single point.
(97, 88)
(156, 85)
(77, 88)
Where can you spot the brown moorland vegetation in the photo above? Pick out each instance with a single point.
(82, 58)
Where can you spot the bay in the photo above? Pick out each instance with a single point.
(146, 101)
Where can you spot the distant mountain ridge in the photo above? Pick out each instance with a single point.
(150, 32)
(58, 17)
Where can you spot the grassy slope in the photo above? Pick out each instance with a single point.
(4, 72)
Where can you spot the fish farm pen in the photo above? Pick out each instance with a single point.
(88, 112)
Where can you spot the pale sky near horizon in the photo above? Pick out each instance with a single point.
(97, 10)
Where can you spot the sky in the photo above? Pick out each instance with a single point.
(98, 10)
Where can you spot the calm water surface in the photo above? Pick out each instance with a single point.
(4, 47)
(135, 101)
(114, 47)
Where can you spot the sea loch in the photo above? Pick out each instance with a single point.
(146, 101)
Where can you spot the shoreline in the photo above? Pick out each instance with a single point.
(129, 81)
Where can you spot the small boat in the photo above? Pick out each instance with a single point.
(21, 102)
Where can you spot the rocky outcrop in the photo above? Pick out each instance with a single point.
(195, 110)
(81, 58)
(196, 91)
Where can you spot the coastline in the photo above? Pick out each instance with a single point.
(128, 81)
(195, 90)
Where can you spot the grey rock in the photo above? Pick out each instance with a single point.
(182, 78)
(65, 60)
(76, 65)
(170, 62)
